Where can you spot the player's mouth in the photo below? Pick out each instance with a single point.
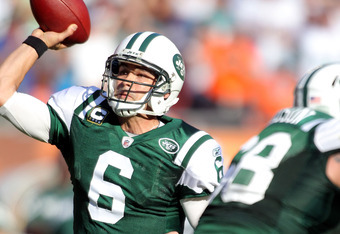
(124, 95)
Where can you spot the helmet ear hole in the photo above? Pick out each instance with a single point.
(115, 66)
(166, 96)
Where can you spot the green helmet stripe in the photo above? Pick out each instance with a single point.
(133, 39)
(305, 89)
(147, 41)
(303, 84)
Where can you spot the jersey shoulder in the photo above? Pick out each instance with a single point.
(297, 123)
(304, 118)
(180, 124)
(189, 137)
(327, 136)
(66, 102)
(199, 154)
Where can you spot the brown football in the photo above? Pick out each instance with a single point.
(57, 15)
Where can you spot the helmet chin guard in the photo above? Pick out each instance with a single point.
(124, 109)
(153, 52)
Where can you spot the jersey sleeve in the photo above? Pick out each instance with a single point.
(327, 136)
(28, 114)
(62, 105)
(203, 164)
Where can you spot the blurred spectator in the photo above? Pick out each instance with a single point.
(273, 25)
(236, 65)
(50, 209)
(6, 11)
(318, 41)
(194, 11)
(86, 61)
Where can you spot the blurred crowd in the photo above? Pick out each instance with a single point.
(242, 57)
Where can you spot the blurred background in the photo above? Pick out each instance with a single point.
(243, 58)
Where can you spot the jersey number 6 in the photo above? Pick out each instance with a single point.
(101, 189)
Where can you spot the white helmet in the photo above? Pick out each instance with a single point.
(320, 90)
(156, 53)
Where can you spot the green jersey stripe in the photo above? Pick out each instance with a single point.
(82, 109)
(187, 146)
(83, 105)
(194, 148)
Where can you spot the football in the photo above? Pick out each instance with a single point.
(57, 15)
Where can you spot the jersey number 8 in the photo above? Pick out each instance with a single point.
(254, 173)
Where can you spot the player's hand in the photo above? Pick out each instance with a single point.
(53, 40)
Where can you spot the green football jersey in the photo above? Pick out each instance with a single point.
(126, 184)
(277, 181)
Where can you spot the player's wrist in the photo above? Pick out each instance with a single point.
(37, 44)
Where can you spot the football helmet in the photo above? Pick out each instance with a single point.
(157, 54)
(319, 89)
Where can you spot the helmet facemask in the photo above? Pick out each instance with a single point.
(124, 107)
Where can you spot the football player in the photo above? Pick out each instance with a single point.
(287, 178)
(134, 170)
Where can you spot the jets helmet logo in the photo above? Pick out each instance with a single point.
(179, 65)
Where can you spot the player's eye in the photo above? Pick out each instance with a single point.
(123, 72)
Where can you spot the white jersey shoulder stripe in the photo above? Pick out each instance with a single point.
(66, 101)
(187, 145)
(327, 136)
(308, 126)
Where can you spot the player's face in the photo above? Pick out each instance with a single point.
(133, 83)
